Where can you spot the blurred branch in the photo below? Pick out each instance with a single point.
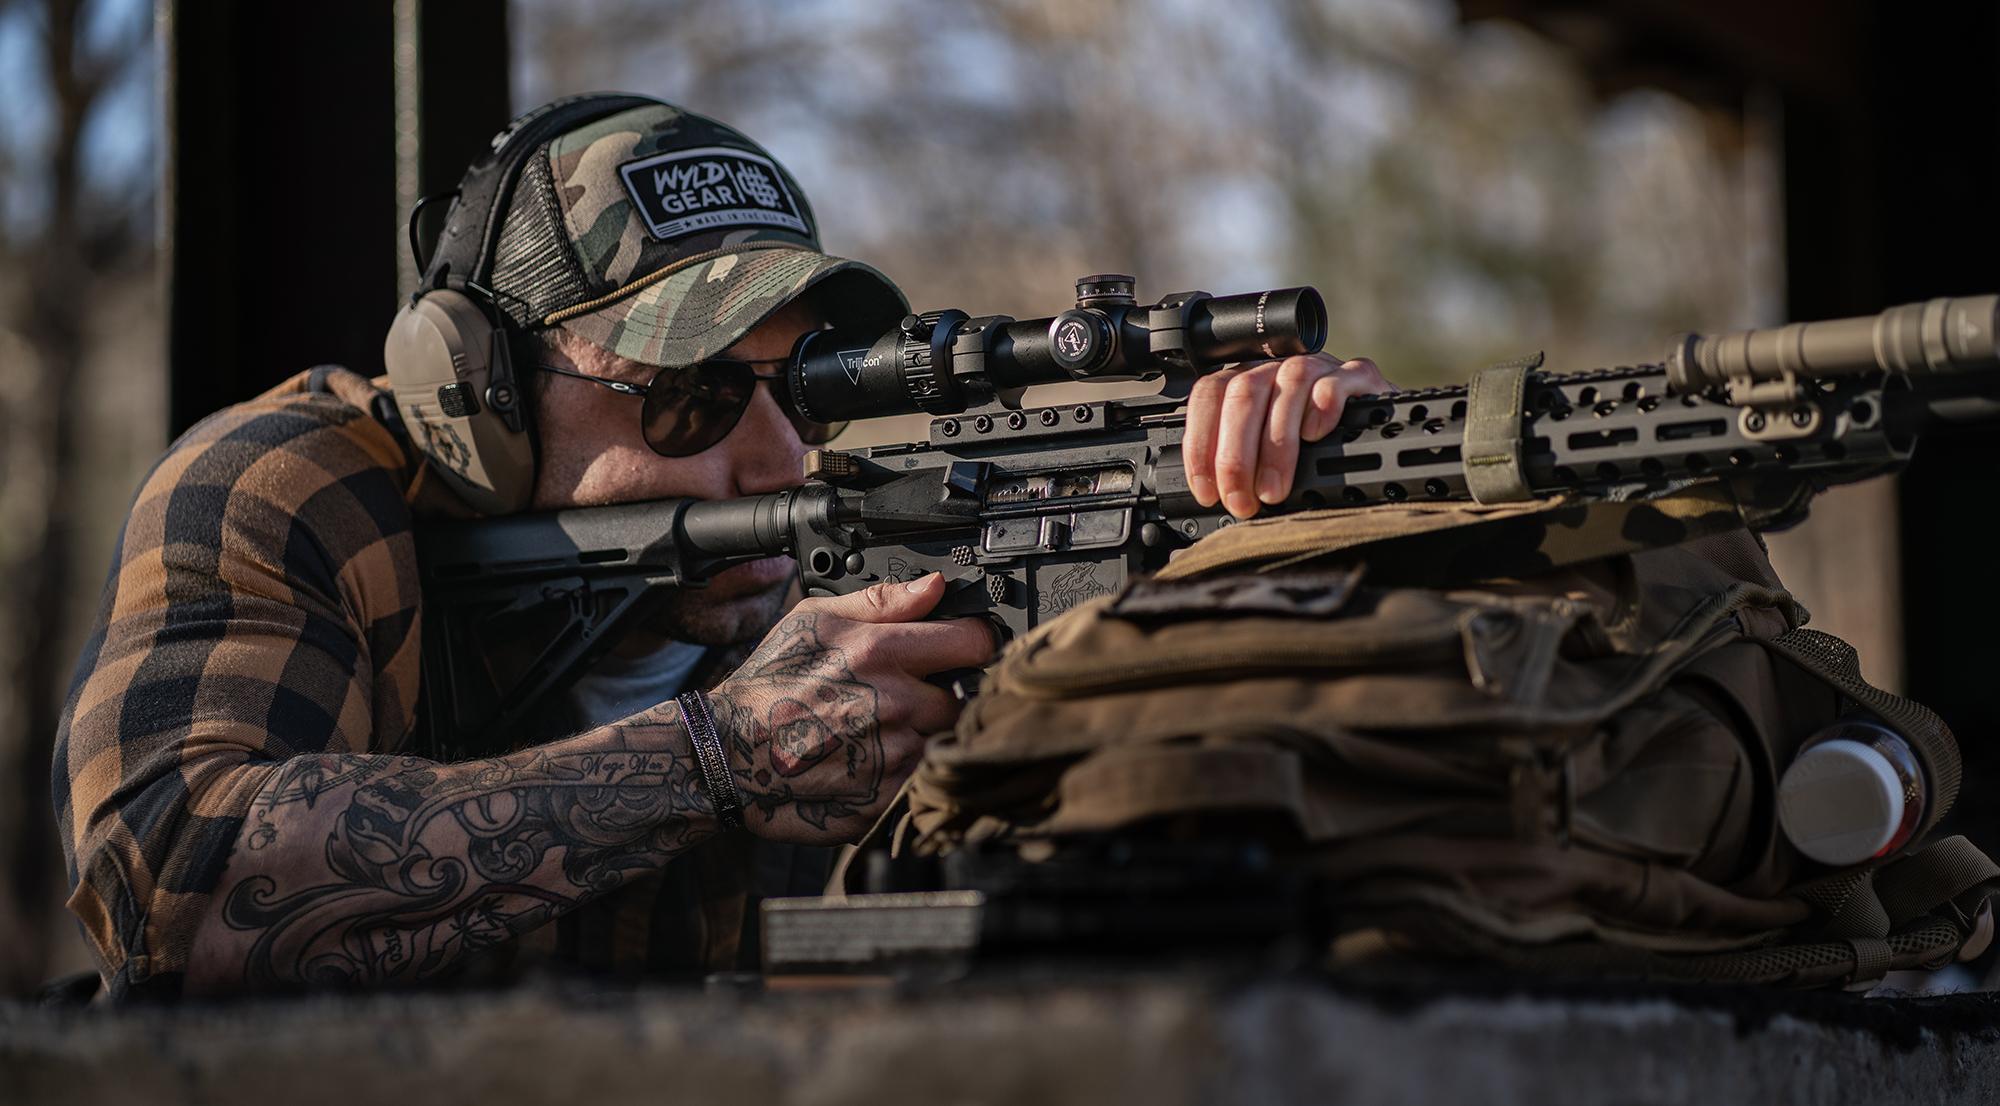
(1458, 192)
(59, 265)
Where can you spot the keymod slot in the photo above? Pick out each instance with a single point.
(1356, 462)
(1598, 439)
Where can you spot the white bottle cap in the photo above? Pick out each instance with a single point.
(1840, 802)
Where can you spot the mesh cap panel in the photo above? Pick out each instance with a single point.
(534, 270)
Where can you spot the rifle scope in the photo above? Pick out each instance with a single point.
(1940, 336)
(943, 362)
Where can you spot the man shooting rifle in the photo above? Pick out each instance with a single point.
(236, 802)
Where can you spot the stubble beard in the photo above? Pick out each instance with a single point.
(698, 618)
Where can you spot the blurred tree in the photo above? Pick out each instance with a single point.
(1460, 193)
(68, 225)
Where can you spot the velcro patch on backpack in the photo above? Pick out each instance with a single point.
(1293, 595)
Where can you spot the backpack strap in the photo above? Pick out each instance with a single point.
(1952, 872)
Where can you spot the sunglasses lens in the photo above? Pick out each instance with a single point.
(688, 410)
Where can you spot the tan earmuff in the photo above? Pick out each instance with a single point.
(448, 358)
(452, 372)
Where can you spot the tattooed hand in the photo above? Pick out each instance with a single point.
(363, 870)
(826, 719)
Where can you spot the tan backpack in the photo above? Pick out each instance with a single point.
(1560, 754)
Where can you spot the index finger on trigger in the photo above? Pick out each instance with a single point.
(885, 603)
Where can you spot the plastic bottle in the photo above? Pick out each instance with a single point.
(1855, 791)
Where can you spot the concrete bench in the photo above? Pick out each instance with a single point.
(1153, 1039)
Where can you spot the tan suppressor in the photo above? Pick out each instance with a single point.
(1934, 337)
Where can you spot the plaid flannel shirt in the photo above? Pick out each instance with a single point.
(264, 604)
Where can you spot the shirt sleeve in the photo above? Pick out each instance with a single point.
(262, 604)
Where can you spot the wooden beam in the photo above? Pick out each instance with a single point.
(281, 201)
(1705, 50)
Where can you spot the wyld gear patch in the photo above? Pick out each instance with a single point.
(686, 191)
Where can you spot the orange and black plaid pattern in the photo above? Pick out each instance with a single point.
(263, 604)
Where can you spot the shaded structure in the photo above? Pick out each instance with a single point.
(282, 171)
(1887, 113)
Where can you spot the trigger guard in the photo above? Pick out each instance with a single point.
(961, 683)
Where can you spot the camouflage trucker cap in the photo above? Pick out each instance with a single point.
(665, 237)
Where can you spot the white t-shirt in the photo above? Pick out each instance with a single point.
(618, 687)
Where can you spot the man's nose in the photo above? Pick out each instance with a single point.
(765, 454)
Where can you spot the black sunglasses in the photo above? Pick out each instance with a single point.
(689, 409)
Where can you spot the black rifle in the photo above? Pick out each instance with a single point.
(1030, 511)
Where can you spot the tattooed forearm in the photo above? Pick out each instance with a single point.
(422, 864)
(356, 871)
(805, 734)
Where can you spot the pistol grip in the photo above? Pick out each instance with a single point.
(966, 597)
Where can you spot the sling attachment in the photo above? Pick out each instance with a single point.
(1493, 431)
(1873, 957)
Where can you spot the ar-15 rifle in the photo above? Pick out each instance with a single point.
(1029, 511)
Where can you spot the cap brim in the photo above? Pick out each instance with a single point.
(699, 311)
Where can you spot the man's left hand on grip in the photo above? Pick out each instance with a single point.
(1245, 425)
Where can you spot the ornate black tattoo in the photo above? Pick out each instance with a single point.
(427, 863)
(781, 736)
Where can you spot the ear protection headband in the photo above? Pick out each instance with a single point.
(449, 353)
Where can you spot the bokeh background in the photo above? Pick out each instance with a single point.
(1458, 192)
(1464, 182)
